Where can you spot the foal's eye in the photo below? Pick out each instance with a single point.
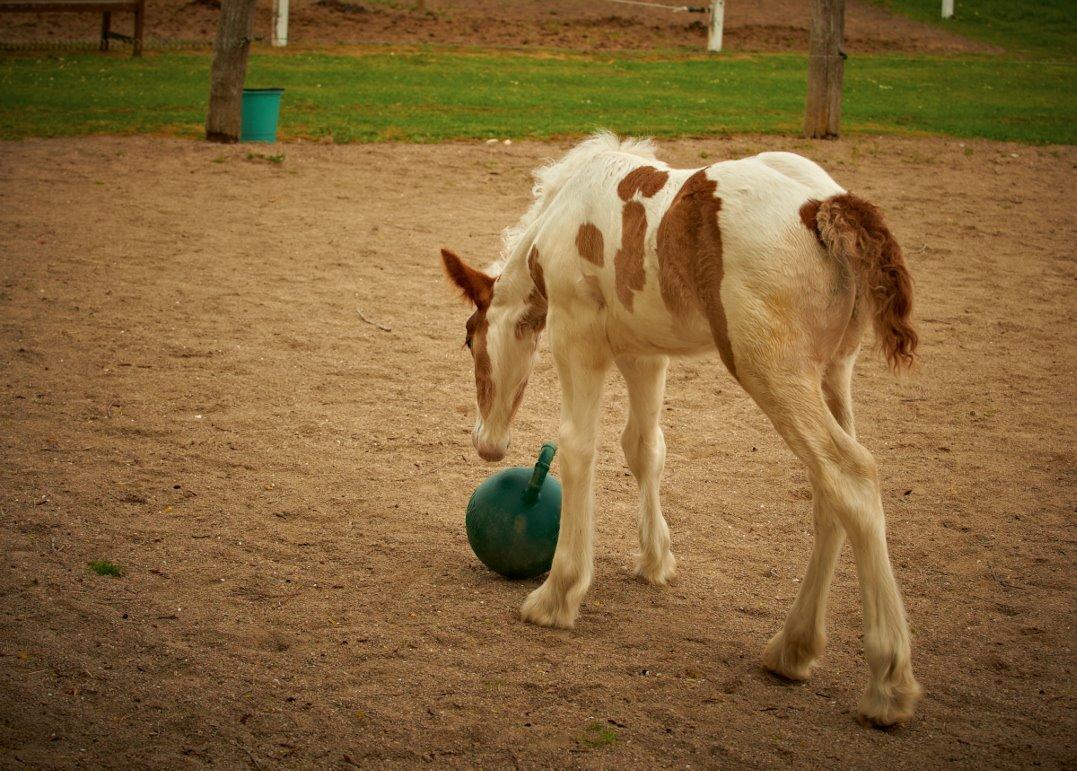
(468, 342)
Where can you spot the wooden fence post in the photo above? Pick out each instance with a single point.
(280, 23)
(714, 40)
(822, 115)
(106, 30)
(229, 71)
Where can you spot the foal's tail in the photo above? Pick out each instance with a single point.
(853, 231)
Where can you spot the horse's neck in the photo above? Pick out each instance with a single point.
(514, 284)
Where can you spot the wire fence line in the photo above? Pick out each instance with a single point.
(674, 8)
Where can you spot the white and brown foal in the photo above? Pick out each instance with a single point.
(626, 261)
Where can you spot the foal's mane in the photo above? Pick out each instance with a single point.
(551, 177)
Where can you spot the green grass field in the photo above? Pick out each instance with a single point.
(434, 95)
(382, 94)
(1044, 28)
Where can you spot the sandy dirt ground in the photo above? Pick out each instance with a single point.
(188, 391)
(581, 25)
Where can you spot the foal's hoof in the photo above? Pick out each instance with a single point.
(656, 570)
(790, 660)
(890, 705)
(542, 607)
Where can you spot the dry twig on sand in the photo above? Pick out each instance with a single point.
(382, 327)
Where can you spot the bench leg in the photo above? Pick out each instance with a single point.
(106, 25)
(140, 14)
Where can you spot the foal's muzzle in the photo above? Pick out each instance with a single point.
(489, 450)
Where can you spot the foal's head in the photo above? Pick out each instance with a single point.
(502, 335)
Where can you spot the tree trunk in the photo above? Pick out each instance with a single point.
(822, 116)
(229, 70)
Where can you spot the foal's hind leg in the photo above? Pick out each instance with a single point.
(793, 650)
(645, 451)
(837, 389)
(845, 485)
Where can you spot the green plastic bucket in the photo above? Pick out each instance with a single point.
(261, 108)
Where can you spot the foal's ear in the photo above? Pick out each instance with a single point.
(476, 285)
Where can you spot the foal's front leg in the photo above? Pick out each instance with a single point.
(582, 372)
(645, 452)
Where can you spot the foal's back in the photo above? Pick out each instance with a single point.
(680, 260)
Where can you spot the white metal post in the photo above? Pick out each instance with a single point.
(947, 9)
(714, 41)
(280, 23)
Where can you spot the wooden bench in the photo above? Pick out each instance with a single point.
(104, 7)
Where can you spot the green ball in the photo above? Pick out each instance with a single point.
(511, 526)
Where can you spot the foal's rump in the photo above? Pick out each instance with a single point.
(781, 292)
(821, 273)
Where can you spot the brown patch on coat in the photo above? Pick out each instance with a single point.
(690, 258)
(534, 267)
(484, 372)
(646, 180)
(533, 319)
(629, 275)
(517, 398)
(590, 244)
